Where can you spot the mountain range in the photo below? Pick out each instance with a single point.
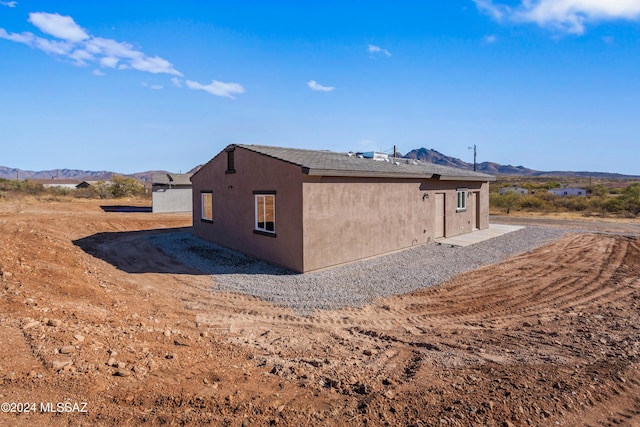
(433, 156)
(13, 173)
(422, 154)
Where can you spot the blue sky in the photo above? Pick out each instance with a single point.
(135, 86)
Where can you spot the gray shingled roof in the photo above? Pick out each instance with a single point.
(171, 178)
(329, 163)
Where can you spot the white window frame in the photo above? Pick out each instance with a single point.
(461, 199)
(264, 197)
(202, 206)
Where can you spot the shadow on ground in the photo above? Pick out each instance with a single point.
(171, 250)
(126, 209)
(133, 251)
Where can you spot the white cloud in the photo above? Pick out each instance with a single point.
(54, 47)
(378, 51)
(217, 88)
(495, 11)
(490, 39)
(318, 87)
(79, 47)
(152, 87)
(62, 27)
(154, 65)
(109, 62)
(9, 3)
(73, 43)
(80, 57)
(112, 48)
(565, 15)
(98, 72)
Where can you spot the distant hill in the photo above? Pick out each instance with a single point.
(13, 173)
(433, 156)
(422, 154)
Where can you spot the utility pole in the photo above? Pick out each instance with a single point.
(474, 156)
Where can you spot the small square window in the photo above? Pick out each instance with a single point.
(461, 199)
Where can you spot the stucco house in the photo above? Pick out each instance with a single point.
(171, 192)
(307, 210)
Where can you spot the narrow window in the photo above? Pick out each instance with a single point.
(462, 199)
(207, 206)
(265, 213)
(231, 162)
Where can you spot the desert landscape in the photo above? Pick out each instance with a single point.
(133, 337)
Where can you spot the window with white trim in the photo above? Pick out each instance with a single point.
(462, 199)
(206, 201)
(265, 212)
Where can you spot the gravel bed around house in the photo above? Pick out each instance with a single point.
(353, 284)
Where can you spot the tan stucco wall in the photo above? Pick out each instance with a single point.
(346, 219)
(234, 206)
(459, 222)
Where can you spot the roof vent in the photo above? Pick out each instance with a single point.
(373, 155)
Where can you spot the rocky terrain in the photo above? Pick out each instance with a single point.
(94, 335)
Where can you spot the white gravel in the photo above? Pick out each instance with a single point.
(354, 284)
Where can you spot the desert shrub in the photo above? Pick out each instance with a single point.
(30, 187)
(630, 199)
(574, 203)
(533, 202)
(101, 190)
(613, 204)
(598, 191)
(59, 191)
(505, 201)
(126, 187)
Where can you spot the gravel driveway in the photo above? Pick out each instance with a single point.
(353, 284)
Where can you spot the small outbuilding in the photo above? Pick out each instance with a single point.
(171, 192)
(307, 209)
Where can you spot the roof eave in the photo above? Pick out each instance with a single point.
(467, 178)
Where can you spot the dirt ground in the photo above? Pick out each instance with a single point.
(97, 327)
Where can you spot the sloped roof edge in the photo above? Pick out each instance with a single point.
(330, 163)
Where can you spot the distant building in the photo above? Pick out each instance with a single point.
(171, 192)
(517, 190)
(563, 192)
(61, 183)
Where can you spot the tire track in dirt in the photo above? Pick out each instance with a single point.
(477, 318)
(506, 297)
(511, 294)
